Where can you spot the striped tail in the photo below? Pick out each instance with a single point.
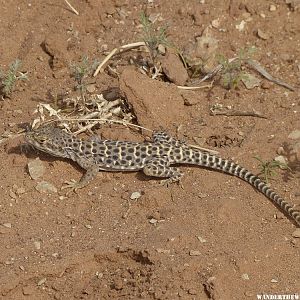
(229, 167)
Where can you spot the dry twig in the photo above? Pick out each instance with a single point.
(229, 113)
(72, 8)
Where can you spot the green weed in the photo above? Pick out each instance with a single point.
(232, 73)
(8, 81)
(81, 71)
(268, 168)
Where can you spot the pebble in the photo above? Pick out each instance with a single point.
(27, 290)
(201, 239)
(88, 226)
(135, 195)
(245, 276)
(250, 81)
(164, 251)
(296, 233)
(274, 280)
(281, 159)
(153, 221)
(46, 187)
(37, 245)
(195, 253)
(36, 168)
(7, 225)
(263, 35)
(42, 281)
(241, 26)
(215, 23)
(272, 7)
(294, 135)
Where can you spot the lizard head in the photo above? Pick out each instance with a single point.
(49, 139)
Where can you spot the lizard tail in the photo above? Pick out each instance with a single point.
(229, 167)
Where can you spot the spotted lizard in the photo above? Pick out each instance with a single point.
(155, 158)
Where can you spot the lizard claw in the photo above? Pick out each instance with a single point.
(72, 185)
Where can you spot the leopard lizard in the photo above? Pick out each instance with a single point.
(155, 158)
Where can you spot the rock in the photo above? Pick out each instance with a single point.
(46, 187)
(241, 26)
(245, 276)
(42, 281)
(135, 195)
(7, 225)
(37, 245)
(272, 7)
(250, 81)
(189, 101)
(203, 52)
(201, 239)
(56, 46)
(36, 169)
(263, 35)
(294, 135)
(215, 23)
(149, 101)
(281, 159)
(296, 233)
(195, 253)
(174, 68)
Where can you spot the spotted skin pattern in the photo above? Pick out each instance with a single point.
(154, 158)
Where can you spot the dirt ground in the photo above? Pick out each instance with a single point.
(215, 239)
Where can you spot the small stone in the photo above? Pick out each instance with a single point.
(241, 26)
(27, 290)
(135, 195)
(189, 101)
(42, 281)
(22, 268)
(263, 35)
(201, 239)
(215, 23)
(7, 225)
(153, 221)
(20, 191)
(91, 88)
(36, 169)
(250, 81)
(274, 280)
(294, 135)
(266, 85)
(281, 159)
(164, 251)
(245, 276)
(37, 245)
(46, 187)
(272, 7)
(12, 194)
(192, 292)
(248, 294)
(195, 253)
(161, 49)
(88, 226)
(296, 233)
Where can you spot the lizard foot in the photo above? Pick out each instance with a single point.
(72, 185)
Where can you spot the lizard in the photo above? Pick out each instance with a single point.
(155, 158)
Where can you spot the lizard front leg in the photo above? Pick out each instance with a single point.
(89, 175)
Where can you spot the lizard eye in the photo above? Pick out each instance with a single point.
(42, 139)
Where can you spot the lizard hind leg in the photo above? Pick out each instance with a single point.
(160, 167)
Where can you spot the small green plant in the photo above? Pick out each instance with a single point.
(9, 80)
(267, 168)
(232, 73)
(152, 37)
(81, 72)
